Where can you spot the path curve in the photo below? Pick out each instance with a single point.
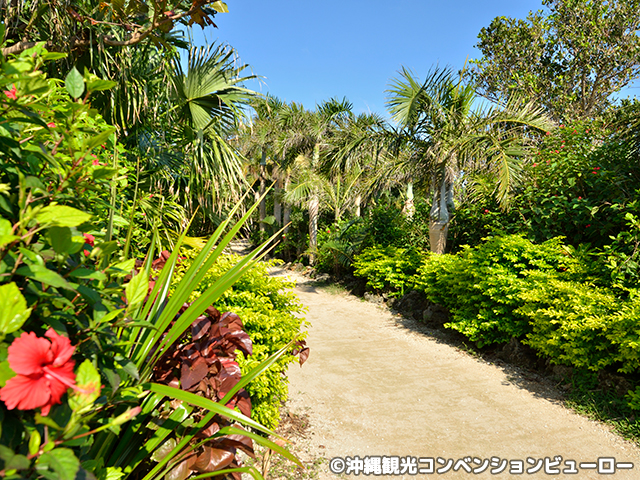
(373, 387)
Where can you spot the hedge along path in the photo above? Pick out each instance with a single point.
(372, 386)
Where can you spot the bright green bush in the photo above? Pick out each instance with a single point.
(389, 269)
(271, 316)
(482, 286)
(571, 322)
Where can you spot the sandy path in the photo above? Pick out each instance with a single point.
(372, 387)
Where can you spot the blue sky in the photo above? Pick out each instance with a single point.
(309, 51)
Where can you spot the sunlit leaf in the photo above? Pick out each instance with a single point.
(62, 216)
(74, 83)
(13, 308)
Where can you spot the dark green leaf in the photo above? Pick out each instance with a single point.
(62, 461)
(129, 367)
(99, 139)
(88, 273)
(60, 239)
(104, 173)
(44, 275)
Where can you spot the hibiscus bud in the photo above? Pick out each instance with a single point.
(126, 416)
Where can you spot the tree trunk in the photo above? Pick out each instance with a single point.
(262, 208)
(409, 208)
(277, 206)
(358, 202)
(439, 217)
(314, 207)
(438, 236)
(287, 208)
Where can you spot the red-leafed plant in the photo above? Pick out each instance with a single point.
(204, 363)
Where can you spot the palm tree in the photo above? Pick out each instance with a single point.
(259, 145)
(307, 136)
(190, 144)
(448, 137)
(358, 151)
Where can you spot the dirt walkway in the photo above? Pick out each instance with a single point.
(373, 387)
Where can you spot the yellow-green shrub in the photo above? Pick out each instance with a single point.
(389, 269)
(482, 286)
(271, 316)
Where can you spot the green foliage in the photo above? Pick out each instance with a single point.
(270, 312)
(570, 58)
(580, 184)
(338, 245)
(571, 323)
(62, 272)
(481, 286)
(389, 269)
(386, 225)
(509, 287)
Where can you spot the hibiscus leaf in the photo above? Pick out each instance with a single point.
(5, 373)
(44, 275)
(62, 216)
(12, 461)
(74, 83)
(48, 421)
(6, 232)
(35, 440)
(13, 308)
(128, 366)
(60, 239)
(88, 382)
(62, 461)
(136, 290)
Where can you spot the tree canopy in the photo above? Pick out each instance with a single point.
(570, 58)
(83, 24)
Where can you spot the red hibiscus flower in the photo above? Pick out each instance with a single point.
(51, 125)
(89, 239)
(44, 372)
(12, 94)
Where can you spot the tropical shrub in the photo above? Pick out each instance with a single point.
(78, 349)
(389, 269)
(271, 314)
(580, 184)
(386, 226)
(481, 286)
(338, 245)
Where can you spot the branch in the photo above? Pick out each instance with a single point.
(135, 38)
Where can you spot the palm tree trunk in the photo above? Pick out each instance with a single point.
(286, 217)
(358, 202)
(277, 206)
(409, 208)
(314, 207)
(439, 218)
(263, 185)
